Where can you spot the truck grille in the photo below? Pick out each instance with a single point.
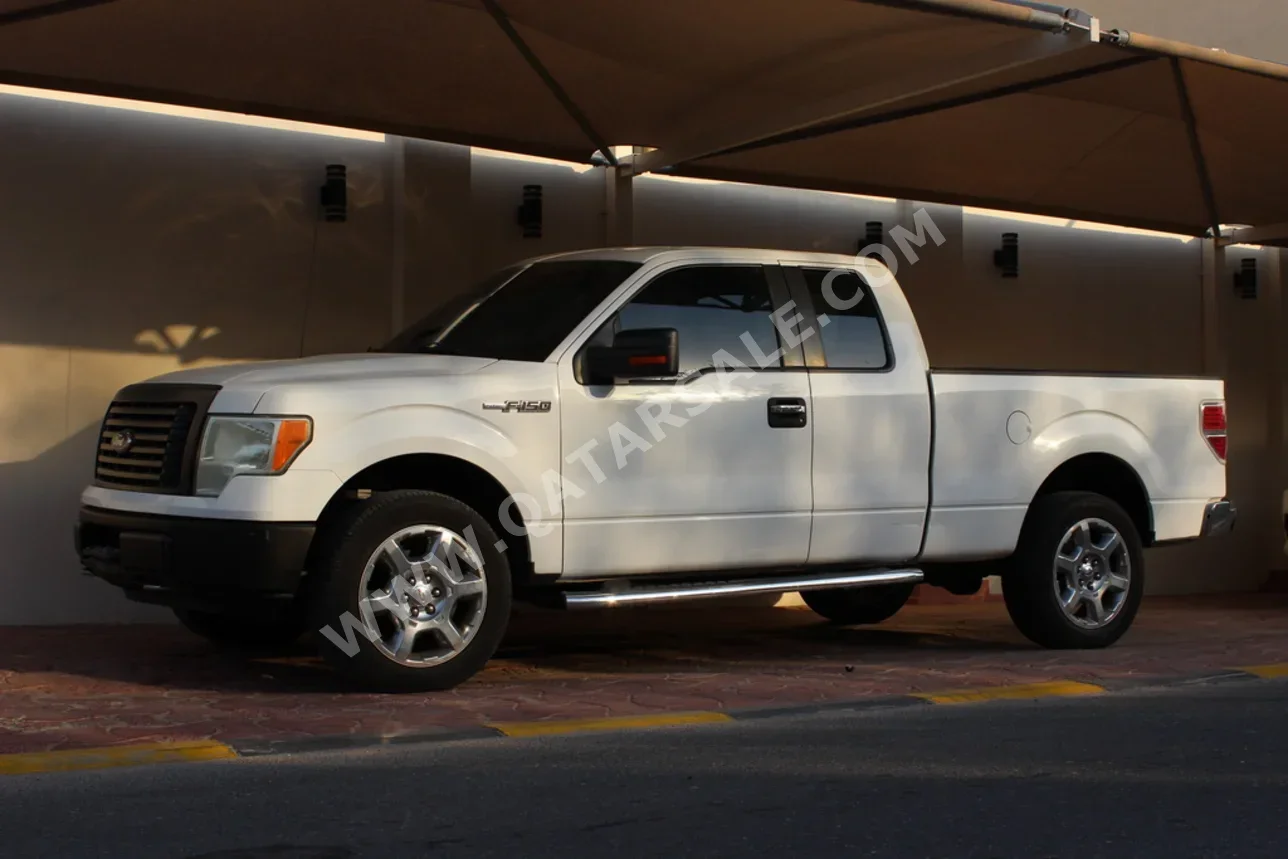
(142, 445)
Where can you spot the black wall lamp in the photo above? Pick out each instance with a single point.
(530, 212)
(1245, 280)
(1007, 257)
(874, 234)
(335, 194)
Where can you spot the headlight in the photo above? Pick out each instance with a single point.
(248, 445)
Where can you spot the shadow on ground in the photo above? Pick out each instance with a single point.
(669, 642)
(68, 687)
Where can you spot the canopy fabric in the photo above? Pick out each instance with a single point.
(1016, 106)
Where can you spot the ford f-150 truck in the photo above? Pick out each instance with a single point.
(630, 426)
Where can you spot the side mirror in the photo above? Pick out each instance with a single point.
(638, 353)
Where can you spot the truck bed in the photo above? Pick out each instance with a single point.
(998, 435)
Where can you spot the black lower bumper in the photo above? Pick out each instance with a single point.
(180, 561)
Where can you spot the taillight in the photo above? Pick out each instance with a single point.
(1213, 423)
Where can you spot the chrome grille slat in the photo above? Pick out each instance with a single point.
(136, 450)
(143, 436)
(147, 411)
(155, 463)
(155, 460)
(130, 423)
(129, 475)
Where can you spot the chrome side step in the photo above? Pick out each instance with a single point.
(643, 594)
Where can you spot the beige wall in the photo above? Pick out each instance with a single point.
(572, 206)
(132, 244)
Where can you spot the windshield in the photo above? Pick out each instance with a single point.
(517, 314)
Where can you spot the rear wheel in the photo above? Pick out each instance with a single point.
(414, 594)
(1078, 573)
(849, 606)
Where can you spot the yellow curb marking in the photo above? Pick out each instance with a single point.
(612, 723)
(1268, 672)
(1063, 688)
(114, 756)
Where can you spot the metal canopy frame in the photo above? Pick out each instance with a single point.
(697, 141)
(854, 109)
(47, 10)
(503, 21)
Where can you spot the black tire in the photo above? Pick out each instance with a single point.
(272, 629)
(346, 546)
(852, 606)
(1029, 581)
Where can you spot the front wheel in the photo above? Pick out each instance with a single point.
(1078, 573)
(415, 596)
(850, 606)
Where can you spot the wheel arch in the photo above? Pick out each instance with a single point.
(467, 482)
(1107, 475)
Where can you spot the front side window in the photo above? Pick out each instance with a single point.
(849, 321)
(518, 314)
(712, 308)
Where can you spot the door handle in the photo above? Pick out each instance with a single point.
(787, 412)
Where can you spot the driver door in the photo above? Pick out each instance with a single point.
(706, 470)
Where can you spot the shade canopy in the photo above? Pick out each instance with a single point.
(1016, 106)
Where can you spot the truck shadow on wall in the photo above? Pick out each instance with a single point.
(40, 576)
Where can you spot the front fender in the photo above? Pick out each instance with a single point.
(386, 433)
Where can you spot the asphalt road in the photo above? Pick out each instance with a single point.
(1175, 774)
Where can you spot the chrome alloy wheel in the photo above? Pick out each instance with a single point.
(423, 595)
(1092, 573)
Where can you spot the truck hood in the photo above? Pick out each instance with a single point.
(326, 368)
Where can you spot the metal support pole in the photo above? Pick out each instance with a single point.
(619, 206)
(1214, 275)
(398, 204)
(1277, 407)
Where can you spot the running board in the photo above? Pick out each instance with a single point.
(643, 594)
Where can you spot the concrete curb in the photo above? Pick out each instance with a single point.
(567, 727)
(203, 750)
(115, 756)
(950, 697)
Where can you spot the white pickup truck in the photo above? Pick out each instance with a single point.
(631, 426)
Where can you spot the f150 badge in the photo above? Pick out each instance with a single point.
(519, 406)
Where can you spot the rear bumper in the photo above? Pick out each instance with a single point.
(1219, 517)
(193, 562)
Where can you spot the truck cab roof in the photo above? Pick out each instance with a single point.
(667, 253)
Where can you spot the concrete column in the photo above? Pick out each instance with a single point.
(1246, 335)
(438, 240)
(933, 281)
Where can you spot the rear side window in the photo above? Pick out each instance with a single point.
(712, 308)
(848, 320)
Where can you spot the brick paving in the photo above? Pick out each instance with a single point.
(74, 687)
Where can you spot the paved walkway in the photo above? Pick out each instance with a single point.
(76, 687)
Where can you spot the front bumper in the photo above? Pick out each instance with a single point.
(1219, 517)
(193, 562)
